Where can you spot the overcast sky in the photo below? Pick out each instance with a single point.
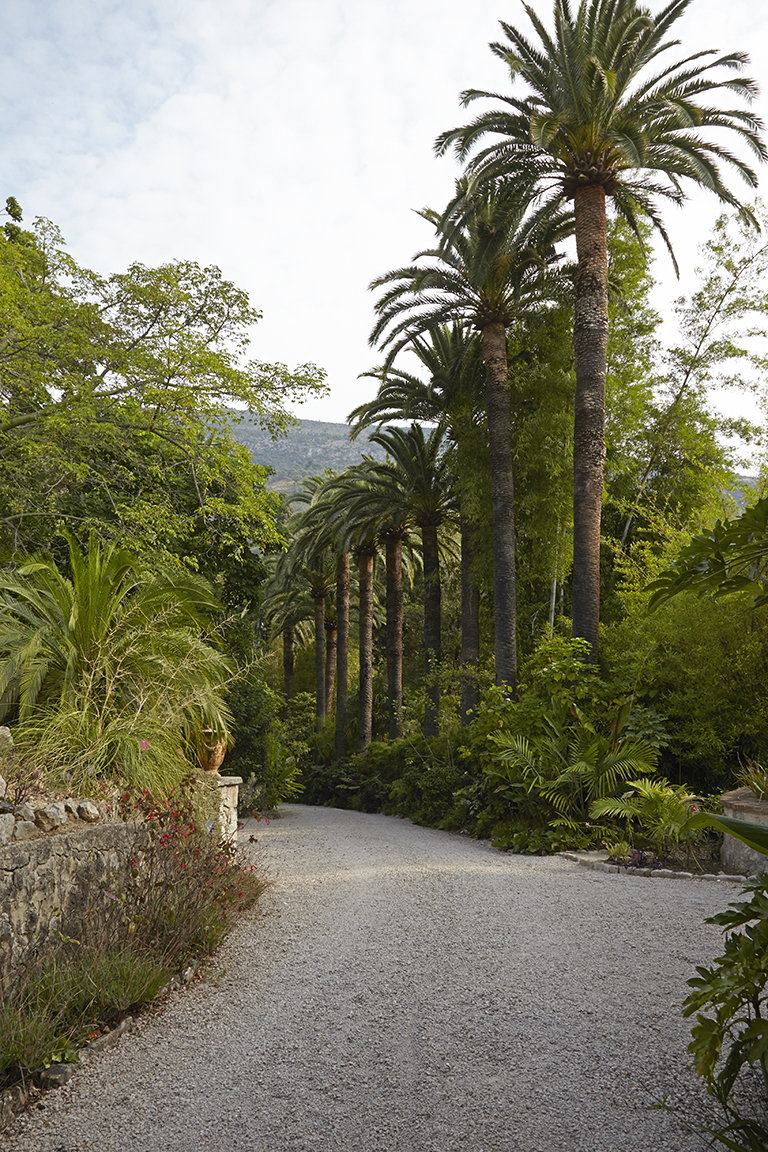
(286, 141)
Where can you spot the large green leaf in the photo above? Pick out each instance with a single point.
(753, 835)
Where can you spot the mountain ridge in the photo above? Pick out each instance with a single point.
(308, 449)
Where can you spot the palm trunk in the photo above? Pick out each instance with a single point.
(590, 346)
(342, 653)
(331, 644)
(394, 546)
(553, 589)
(470, 626)
(432, 640)
(503, 503)
(365, 706)
(319, 662)
(288, 641)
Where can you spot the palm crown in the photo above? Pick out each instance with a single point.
(594, 114)
(485, 271)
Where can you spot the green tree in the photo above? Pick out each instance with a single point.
(602, 120)
(675, 451)
(114, 403)
(452, 399)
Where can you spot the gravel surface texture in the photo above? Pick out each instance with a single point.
(402, 989)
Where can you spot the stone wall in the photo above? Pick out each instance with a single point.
(60, 884)
(742, 804)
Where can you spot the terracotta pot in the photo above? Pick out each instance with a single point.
(213, 753)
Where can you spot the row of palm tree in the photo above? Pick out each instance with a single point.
(373, 506)
(606, 116)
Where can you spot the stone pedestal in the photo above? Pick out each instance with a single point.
(229, 787)
(742, 804)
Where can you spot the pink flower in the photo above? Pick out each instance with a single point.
(144, 745)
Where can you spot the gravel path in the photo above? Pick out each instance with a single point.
(408, 989)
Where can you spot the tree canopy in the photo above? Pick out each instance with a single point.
(115, 394)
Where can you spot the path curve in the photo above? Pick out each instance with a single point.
(406, 989)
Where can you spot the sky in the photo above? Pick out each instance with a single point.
(286, 141)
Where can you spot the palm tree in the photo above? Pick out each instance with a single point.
(285, 610)
(342, 654)
(453, 400)
(108, 670)
(365, 553)
(328, 522)
(312, 558)
(604, 116)
(411, 489)
(486, 274)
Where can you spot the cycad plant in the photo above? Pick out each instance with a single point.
(109, 672)
(560, 772)
(657, 808)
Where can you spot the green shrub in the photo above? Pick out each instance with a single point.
(717, 718)
(268, 750)
(730, 1000)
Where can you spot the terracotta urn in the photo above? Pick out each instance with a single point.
(212, 752)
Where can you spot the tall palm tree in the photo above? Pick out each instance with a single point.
(453, 400)
(312, 557)
(368, 523)
(286, 609)
(605, 115)
(491, 268)
(328, 521)
(411, 488)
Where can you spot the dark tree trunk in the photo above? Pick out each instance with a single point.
(432, 640)
(288, 639)
(470, 626)
(394, 546)
(365, 707)
(342, 653)
(503, 504)
(319, 662)
(331, 644)
(590, 344)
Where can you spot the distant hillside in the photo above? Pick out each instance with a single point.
(309, 448)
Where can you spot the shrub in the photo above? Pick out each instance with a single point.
(730, 1000)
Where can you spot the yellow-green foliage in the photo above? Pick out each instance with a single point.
(701, 662)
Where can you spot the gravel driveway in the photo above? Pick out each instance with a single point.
(407, 989)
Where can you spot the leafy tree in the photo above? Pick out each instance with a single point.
(674, 451)
(601, 120)
(112, 404)
(731, 557)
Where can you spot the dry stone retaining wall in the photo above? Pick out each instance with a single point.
(59, 885)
